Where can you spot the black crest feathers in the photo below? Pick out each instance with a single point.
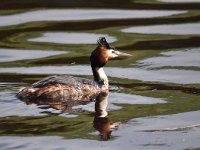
(102, 42)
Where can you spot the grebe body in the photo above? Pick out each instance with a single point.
(66, 88)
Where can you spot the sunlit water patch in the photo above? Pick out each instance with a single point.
(122, 98)
(17, 108)
(187, 57)
(179, 1)
(175, 29)
(7, 55)
(162, 75)
(81, 14)
(72, 38)
(128, 135)
(168, 122)
(11, 106)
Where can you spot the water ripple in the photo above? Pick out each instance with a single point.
(81, 14)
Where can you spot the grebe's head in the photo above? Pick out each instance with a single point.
(103, 53)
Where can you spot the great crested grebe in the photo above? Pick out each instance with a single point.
(65, 88)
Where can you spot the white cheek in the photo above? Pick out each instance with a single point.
(110, 54)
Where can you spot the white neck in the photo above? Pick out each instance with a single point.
(102, 77)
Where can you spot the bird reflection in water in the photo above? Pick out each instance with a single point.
(101, 123)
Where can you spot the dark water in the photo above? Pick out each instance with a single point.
(154, 95)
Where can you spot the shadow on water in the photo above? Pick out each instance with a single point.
(95, 4)
(159, 87)
(163, 44)
(70, 60)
